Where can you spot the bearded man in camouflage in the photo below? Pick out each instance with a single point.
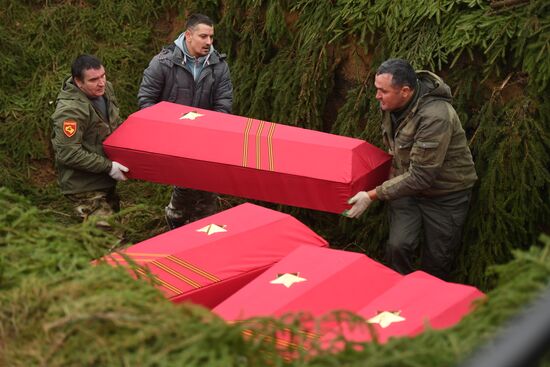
(86, 113)
(432, 171)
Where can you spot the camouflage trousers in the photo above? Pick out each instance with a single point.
(97, 204)
(187, 205)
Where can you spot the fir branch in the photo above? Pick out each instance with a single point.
(507, 4)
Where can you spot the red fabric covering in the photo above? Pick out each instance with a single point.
(423, 301)
(335, 280)
(340, 280)
(244, 157)
(206, 268)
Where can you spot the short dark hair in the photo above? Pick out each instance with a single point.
(83, 63)
(195, 19)
(401, 70)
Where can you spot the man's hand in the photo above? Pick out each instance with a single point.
(117, 171)
(361, 202)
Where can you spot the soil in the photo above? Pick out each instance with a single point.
(42, 172)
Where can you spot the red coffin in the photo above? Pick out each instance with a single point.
(212, 151)
(324, 280)
(420, 300)
(334, 280)
(208, 260)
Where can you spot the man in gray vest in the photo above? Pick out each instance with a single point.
(432, 171)
(189, 72)
(86, 113)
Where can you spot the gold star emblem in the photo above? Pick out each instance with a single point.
(212, 228)
(386, 318)
(190, 115)
(288, 279)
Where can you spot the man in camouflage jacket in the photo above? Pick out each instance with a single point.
(86, 113)
(432, 169)
(189, 72)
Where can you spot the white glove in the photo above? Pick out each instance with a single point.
(117, 171)
(361, 202)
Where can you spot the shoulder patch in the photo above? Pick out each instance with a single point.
(69, 127)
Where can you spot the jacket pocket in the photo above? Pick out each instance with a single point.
(426, 152)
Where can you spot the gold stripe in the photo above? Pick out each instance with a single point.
(134, 256)
(193, 268)
(112, 259)
(165, 284)
(286, 343)
(308, 334)
(258, 144)
(270, 146)
(248, 332)
(247, 128)
(187, 280)
(145, 254)
(170, 286)
(278, 340)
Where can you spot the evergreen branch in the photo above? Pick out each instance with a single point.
(507, 4)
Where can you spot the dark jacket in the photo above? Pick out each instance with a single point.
(168, 79)
(77, 137)
(430, 152)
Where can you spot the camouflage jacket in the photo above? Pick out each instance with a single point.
(430, 152)
(77, 139)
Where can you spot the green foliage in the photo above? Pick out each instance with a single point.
(519, 282)
(57, 309)
(41, 42)
(292, 83)
(514, 182)
(288, 60)
(307, 63)
(100, 316)
(32, 247)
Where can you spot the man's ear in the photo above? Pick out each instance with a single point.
(406, 91)
(77, 81)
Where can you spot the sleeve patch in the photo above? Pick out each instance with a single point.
(69, 127)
